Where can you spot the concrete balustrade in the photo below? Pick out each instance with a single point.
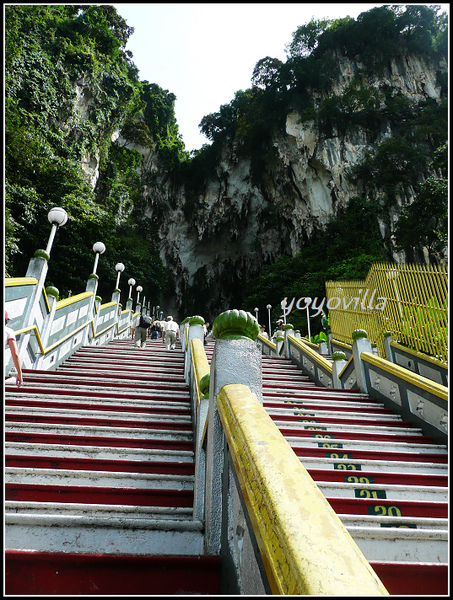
(261, 508)
(49, 330)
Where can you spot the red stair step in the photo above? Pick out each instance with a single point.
(93, 406)
(75, 392)
(22, 492)
(100, 464)
(358, 435)
(413, 579)
(379, 477)
(384, 507)
(83, 440)
(40, 573)
(334, 419)
(163, 384)
(67, 420)
(372, 455)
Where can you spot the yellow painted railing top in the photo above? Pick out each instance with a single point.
(307, 347)
(200, 363)
(9, 281)
(422, 382)
(305, 548)
(107, 305)
(72, 299)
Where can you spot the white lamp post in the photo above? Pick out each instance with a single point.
(131, 283)
(139, 289)
(98, 248)
(256, 313)
(119, 267)
(269, 306)
(57, 217)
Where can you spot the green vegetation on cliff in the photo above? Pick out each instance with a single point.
(70, 85)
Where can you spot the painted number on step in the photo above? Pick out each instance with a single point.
(363, 493)
(337, 455)
(329, 445)
(358, 479)
(390, 511)
(346, 467)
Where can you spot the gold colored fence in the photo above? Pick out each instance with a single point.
(409, 301)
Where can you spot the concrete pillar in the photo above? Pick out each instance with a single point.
(359, 345)
(288, 330)
(195, 325)
(92, 286)
(37, 268)
(389, 354)
(47, 327)
(339, 362)
(236, 359)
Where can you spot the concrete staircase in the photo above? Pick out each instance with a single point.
(386, 480)
(100, 467)
(99, 478)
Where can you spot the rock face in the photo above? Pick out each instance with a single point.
(237, 224)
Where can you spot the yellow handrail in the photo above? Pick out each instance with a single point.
(418, 380)
(199, 362)
(72, 300)
(60, 341)
(305, 548)
(10, 281)
(305, 346)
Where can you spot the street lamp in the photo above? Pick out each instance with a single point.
(139, 289)
(120, 268)
(256, 313)
(131, 283)
(98, 248)
(57, 217)
(269, 306)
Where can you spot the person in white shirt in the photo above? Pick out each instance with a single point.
(10, 342)
(170, 332)
(263, 332)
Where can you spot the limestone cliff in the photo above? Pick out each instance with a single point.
(237, 224)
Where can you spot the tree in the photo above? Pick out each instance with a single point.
(424, 222)
(266, 73)
(306, 37)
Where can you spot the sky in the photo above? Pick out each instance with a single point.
(204, 53)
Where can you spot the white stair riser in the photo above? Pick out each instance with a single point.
(123, 432)
(367, 521)
(351, 445)
(383, 491)
(97, 478)
(101, 536)
(355, 466)
(66, 451)
(59, 509)
(120, 401)
(98, 414)
(414, 545)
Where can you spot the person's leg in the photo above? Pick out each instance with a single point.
(169, 339)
